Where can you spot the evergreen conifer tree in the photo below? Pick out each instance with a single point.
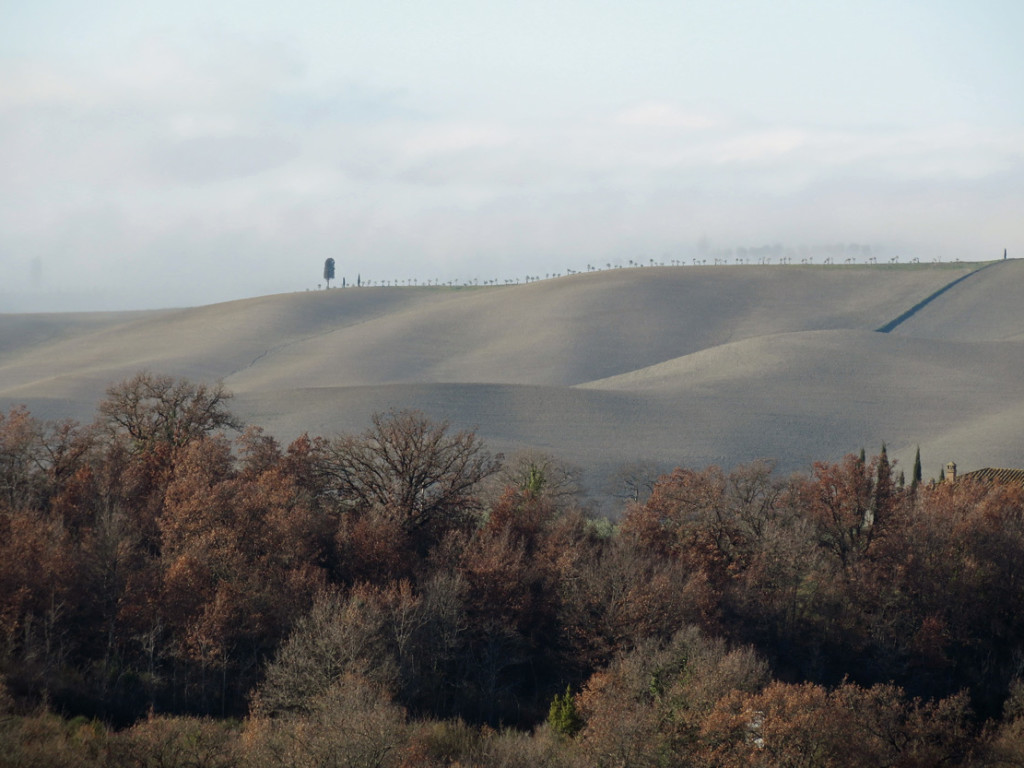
(915, 477)
(563, 716)
(883, 485)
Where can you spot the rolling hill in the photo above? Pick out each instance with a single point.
(663, 365)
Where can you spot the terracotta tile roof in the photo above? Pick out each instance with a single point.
(996, 475)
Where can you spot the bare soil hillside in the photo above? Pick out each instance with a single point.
(674, 365)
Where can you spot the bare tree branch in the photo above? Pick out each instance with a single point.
(411, 465)
(150, 408)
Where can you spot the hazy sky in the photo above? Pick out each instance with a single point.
(178, 153)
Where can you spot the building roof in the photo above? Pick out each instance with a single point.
(996, 475)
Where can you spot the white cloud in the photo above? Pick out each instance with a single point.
(660, 114)
(440, 139)
(214, 158)
(25, 84)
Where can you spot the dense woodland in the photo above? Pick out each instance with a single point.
(176, 590)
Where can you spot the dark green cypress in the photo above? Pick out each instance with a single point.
(883, 486)
(915, 477)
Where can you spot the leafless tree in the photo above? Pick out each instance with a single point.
(410, 465)
(634, 482)
(542, 475)
(150, 408)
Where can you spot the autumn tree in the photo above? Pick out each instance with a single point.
(176, 741)
(39, 597)
(711, 526)
(615, 594)
(511, 607)
(647, 706)
(146, 421)
(807, 725)
(961, 590)
(839, 500)
(352, 724)
(240, 557)
(342, 634)
(21, 459)
(709, 518)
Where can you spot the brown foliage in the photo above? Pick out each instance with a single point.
(647, 707)
(806, 725)
(837, 499)
(374, 547)
(149, 566)
(177, 742)
(44, 739)
(363, 633)
(353, 724)
(38, 592)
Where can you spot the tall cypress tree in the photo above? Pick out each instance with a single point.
(915, 478)
(883, 485)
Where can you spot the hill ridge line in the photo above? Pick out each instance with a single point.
(893, 324)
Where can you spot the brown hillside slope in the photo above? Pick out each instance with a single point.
(672, 365)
